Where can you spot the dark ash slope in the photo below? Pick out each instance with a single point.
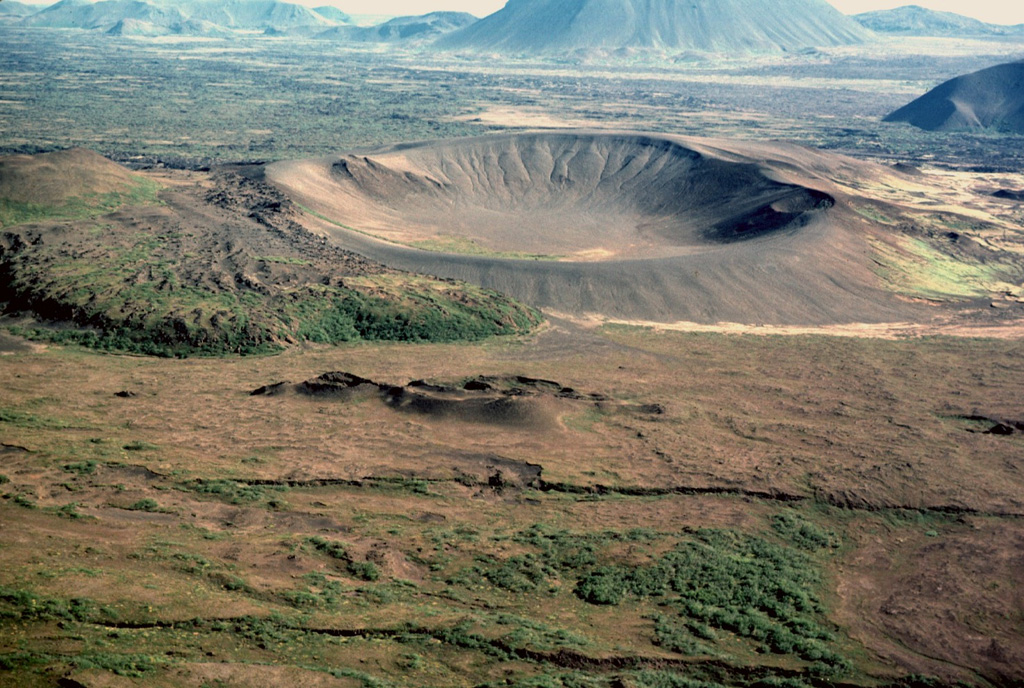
(992, 98)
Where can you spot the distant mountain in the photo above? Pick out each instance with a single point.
(9, 8)
(992, 98)
(403, 29)
(254, 15)
(188, 17)
(333, 14)
(81, 14)
(913, 20)
(730, 26)
(136, 27)
(143, 29)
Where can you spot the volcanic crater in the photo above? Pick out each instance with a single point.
(564, 195)
(620, 224)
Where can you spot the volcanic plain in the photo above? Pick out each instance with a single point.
(588, 406)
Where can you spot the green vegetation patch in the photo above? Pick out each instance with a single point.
(712, 587)
(915, 267)
(362, 570)
(22, 605)
(150, 505)
(403, 308)
(725, 582)
(235, 492)
(80, 467)
(469, 247)
(21, 419)
(141, 192)
(132, 299)
(804, 534)
(127, 665)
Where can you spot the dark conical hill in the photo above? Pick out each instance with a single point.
(745, 26)
(992, 98)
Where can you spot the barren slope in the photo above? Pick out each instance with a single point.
(55, 177)
(531, 26)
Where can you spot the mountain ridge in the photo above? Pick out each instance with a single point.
(414, 28)
(194, 17)
(914, 20)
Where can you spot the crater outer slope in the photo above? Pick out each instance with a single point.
(647, 227)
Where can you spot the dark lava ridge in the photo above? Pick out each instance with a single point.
(501, 400)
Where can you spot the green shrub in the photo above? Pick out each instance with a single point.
(130, 666)
(28, 606)
(192, 563)
(24, 501)
(229, 582)
(516, 574)
(363, 570)
(665, 679)
(301, 598)
(678, 637)
(335, 550)
(80, 468)
(604, 585)
(232, 491)
(803, 533)
(69, 511)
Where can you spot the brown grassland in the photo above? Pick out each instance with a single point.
(185, 512)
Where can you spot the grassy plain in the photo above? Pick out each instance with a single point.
(734, 532)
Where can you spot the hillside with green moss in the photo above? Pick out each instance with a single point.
(212, 264)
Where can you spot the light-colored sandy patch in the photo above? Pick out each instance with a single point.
(891, 330)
